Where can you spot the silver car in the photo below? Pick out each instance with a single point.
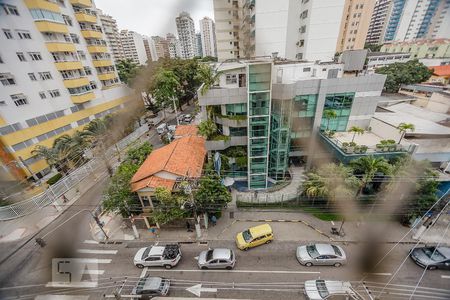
(431, 257)
(219, 258)
(149, 287)
(321, 254)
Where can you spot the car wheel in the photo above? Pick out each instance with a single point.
(337, 265)
(204, 268)
(308, 264)
(229, 268)
(140, 266)
(168, 266)
(432, 267)
(269, 241)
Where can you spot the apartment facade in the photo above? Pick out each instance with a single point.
(228, 29)
(440, 23)
(150, 48)
(273, 112)
(421, 49)
(378, 22)
(109, 25)
(57, 75)
(355, 23)
(198, 40)
(133, 47)
(173, 45)
(186, 34)
(208, 37)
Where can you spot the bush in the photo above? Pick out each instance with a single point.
(54, 179)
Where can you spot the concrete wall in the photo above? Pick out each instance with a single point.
(439, 102)
(384, 130)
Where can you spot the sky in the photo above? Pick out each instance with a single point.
(154, 17)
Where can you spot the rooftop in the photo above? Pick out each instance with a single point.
(185, 130)
(441, 70)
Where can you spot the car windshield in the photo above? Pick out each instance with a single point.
(247, 235)
(161, 287)
(209, 255)
(146, 252)
(312, 251)
(433, 254)
(337, 250)
(322, 288)
(140, 285)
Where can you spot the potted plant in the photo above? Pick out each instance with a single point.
(391, 145)
(364, 148)
(357, 149)
(345, 147)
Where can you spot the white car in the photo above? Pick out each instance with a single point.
(328, 289)
(321, 254)
(166, 256)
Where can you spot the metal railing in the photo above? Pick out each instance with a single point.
(66, 183)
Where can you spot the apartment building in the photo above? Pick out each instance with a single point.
(271, 112)
(109, 25)
(173, 45)
(57, 74)
(440, 23)
(355, 24)
(208, 37)
(186, 34)
(150, 48)
(198, 40)
(378, 22)
(133, 47)
(161, 47)
(421, 49)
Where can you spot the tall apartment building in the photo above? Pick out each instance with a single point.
(198, 39)
(133, 47)
(228, 29)
(355, 24)
(109, 25)
(186, 34)
(150, 48)
(272, 112)
(161, 47)
(378, 22)
(440, 23)
(57, 74)
(173, 45)
(208, 37)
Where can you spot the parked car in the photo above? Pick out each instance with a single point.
(321, 254)
(181, 117)
(187, 118)
(172, 128)
(431, 257)
(161, 128)
(327, 289)
(166, 256)
(149, 287)
(254, 236)
(220, 258)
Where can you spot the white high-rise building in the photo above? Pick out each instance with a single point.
(198, 39)
(133, 47)
(186, 34)
(150, 48)
(57, 74)
(208, 37)
(173, 45)
(378, 21)
(440, 24)
(111, 31)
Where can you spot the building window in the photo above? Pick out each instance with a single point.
(93, 85)
(302, 29)
(42, 95)
(304, 14)
(45, 75)
(21, 56)
(7, 79)
(41, 14)
(24, 35)
(67, 20)
(75, 38)
(35, 56)
(10, 9)
(19, 99)
(32, 76)
(82, 55)
(231, 78)
(54, 93)
(8, 34)
(307, 69)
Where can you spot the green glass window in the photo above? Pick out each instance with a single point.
(306, 105)
(238, 109)
(238, 131)
(341, 104)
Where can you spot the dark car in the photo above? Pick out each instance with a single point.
(431, 257)
(149, 287)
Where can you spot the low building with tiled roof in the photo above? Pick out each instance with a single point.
(182, 158)
(441, 74)
(185, 130)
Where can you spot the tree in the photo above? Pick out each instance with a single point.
(409, 72)
(207, 128)
(373, 47)
(367, 167)
(328, 115)
(211, 193)
(403, 127)
(169, 208)
(166, 87)
(127, 70)
(137, 155)
(46, 153)
(207, 77)
(356, 130)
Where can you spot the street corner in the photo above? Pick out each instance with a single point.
(14, 235)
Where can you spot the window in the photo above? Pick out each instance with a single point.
(67, 20)
(88, 70)
(307, 69)
(54, 93)
(75, 38)
(21, 56)
(32, 77)
(8, 34)
(41, 14)
(24, 35)
(42, 95)
(19, 99)
(302, 29)
(10, 9)
(35, 56)
(304, 14)
(7, 79)
(82, 55)
(45, 75)
(301, 43)
(93, 85)
(231, 78)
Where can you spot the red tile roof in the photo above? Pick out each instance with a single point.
(182, 157)
(183, 130)
(441, 70)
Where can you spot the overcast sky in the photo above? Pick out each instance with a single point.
(154, 17)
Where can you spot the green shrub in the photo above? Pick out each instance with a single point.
(54, 179)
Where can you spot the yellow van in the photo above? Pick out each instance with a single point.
(254, 236)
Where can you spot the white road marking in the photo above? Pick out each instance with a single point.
(86, 284)
(144, 271)
(445, 276)
(94, 251)
(241, 271)
(332, 223)
(90, 242)
(380, 274)
(94, 261)
(61, 297)
(93, 272)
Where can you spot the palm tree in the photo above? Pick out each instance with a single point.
(46, 153)
(207, 128)
(208, 77)
(403, 127)
(356, 130)
(368, 167)
(329, 114)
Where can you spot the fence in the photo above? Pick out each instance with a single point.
(66, 183)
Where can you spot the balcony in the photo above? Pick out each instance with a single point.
(85, 3)
(231, 121)
(223, 142)
(78, 99)
(102, 63)
(68, 65)
(46, 26)
(219, 96)
(42, 4)
(97, 49)
(92, 34)
(60, 47)
(85, 17)
(76, 82)
(367, 144)
(107, 76)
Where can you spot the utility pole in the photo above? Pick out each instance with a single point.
(100, 225)
(176, 112)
